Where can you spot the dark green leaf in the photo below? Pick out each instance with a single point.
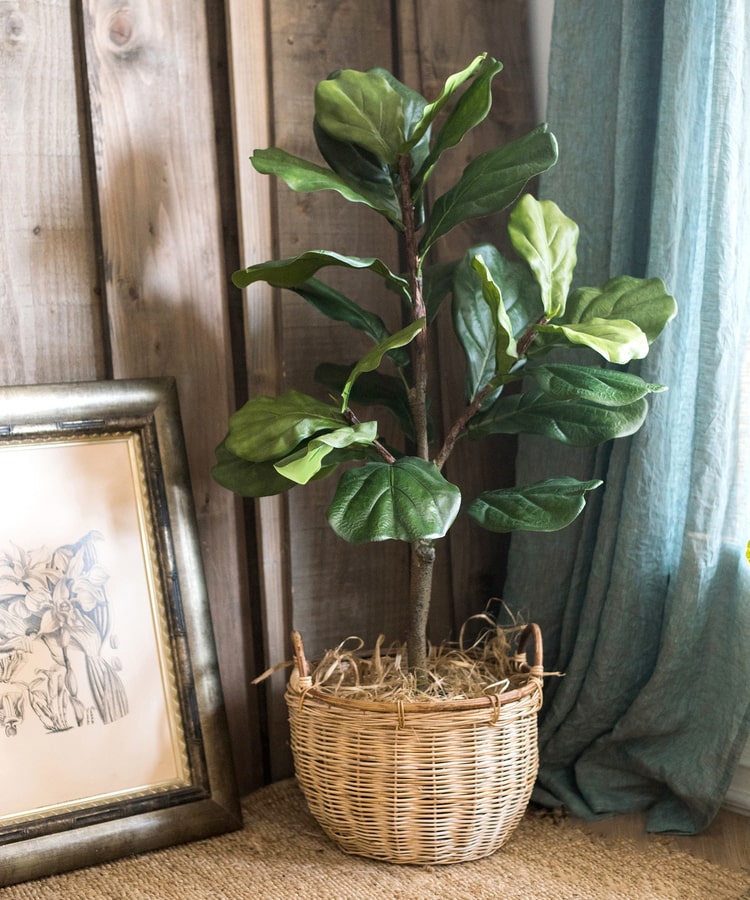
(269, 428)
(605, 387)
(305, 177)
(406, 501)
(364, 173)
(546, 506)
(472, 318)
(293, 272)
(437, 283)
(491, 182)
(577, 423)
(248, 479)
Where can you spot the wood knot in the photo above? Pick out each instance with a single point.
(120, 30)
(14, 27)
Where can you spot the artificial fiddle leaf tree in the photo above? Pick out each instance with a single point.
(381, 141)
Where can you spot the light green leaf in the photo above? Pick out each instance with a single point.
(471, 109)
(293, 272)
(372, 360)
(305, 464)
(362, 108)
(617, 340)
(406, 501)
(305, 177)
(643, 301)
(506, 352)
(491, 182)
(269, 428)
(577, 423)
(547, 240)
(605, 387)
(546, 506)
(431, 111)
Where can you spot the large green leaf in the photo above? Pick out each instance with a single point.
(472, 319)
(306, 463)
(361, 171)
(370, 389)
(605, 387)
(546, 506)
(491, 182)
(408, 500)
(471, 109)
(293, 272)
(372, 360)
(248, 479)
(305, 177)
(643, 301)
(578, 423)
(362, 108)
(437, 283)
(506, 351)
(546, 238)
(617, 340)
(431, 111)
(269, 428)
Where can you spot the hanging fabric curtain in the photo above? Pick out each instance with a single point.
(645, 600)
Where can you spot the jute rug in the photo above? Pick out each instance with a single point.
(281, 854)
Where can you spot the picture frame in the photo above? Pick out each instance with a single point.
(113, 733)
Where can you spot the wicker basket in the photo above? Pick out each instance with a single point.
(422, 783)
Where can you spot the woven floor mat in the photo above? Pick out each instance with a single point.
(281, 854)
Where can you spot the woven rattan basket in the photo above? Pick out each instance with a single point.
(421, 783)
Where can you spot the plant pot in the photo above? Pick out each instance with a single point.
(424, 782)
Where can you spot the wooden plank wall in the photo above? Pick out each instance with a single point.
(309, 579)
(120, 229)
(112, 254)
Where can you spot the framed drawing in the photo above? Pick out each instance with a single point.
(113, 737)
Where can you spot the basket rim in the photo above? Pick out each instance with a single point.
(301, 692)
(304, 688)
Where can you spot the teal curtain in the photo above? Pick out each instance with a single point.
(644, 601)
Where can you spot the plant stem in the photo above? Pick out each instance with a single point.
(420, 590)
(418, 392)
(423, 551)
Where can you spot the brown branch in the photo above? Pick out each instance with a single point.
(418, 391)
(383, 451)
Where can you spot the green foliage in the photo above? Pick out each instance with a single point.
(381, 141)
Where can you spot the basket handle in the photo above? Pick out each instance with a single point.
(531, 630)
(299, 655)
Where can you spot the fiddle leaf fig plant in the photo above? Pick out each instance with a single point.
(381, 142)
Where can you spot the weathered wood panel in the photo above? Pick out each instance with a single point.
(51, 325)
(165, 282)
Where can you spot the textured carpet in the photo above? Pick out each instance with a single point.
(281, 854)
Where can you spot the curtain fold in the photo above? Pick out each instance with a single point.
(645, 600)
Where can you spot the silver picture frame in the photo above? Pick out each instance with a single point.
(113, 733)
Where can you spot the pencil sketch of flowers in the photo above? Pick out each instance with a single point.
(54, 620)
